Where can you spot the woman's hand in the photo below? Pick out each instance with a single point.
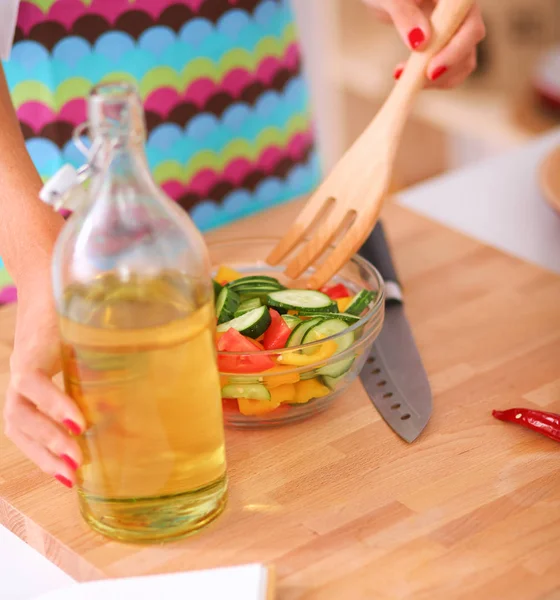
(39, 418)
(456, 61)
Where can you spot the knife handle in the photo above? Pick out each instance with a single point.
(376, 250)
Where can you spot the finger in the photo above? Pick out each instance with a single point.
(45, 432)
(378, 12)
(47, 462)
(40, 390)
(461, 46)
(455, 77)
(399, 70)
(411, 23)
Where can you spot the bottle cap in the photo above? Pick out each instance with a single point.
(57, 191)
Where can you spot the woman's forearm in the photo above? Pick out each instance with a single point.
(28, 228)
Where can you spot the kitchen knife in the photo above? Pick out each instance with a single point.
(394, 376)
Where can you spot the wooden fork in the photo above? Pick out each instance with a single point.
(350, 199)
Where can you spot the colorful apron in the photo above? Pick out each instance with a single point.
(227, 108)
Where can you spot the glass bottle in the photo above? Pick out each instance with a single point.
(133, 290)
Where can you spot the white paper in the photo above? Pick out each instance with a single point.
(247, 582)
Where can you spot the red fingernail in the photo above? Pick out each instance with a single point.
(69, 461)
(438, 73)
(72, 427)
(416, 37)
(63, 480)
(397, 73)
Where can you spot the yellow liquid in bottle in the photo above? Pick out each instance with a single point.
(140, 363)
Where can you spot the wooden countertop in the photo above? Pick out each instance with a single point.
(340, 505)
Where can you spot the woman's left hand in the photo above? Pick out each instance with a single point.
(456, 61)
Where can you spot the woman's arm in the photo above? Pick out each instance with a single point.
(38, 416)
(28, 228)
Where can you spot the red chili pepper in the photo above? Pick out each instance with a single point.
(543, 422)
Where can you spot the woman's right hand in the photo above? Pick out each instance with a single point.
(39, 417)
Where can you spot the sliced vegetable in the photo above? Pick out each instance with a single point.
(217, 288)
(252, 324)
(242, 379)
(226, 304)
(336, 369)
(254, 362)
(349, 319)
(277, 333)
(360, 302)
(343, 303)
(298, 359)
(326, 329)
(307, 390)
(227, 274)
(256, 280)
(247, 292)
(256, 286)
(253, 391)
(280, 375)
(256, 408)
(297, 335)
(247, 305)
(291, 321)
(283, 393)
(301, 299)
(337, 291)
(332, 382)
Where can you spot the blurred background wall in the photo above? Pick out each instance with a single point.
(513, 96)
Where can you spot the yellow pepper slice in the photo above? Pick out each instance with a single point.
(344, 303)
(276, 377)
(308, 389)
(227, 274)
(255, 408)
(326, 350)
(283, 393)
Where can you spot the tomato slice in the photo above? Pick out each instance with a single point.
(277, 333)
(336, 291)
(233, 341)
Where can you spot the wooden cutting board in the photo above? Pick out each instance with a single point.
(340, 505)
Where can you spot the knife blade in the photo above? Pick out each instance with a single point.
(394, 376)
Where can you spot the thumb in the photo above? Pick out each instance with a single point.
(409, 20)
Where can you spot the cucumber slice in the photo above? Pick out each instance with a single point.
(217, 288)
(308, 300)
(247, 305)
(337, 370)
(251, 391)
(350, 319)
(252, 324)
(255, 280)
(360, 302)
(300, 330)
(244, 379)
(249, 291)
(332, 382)
(226, 304)
(308, 375)
(326, 329)
(291, 321)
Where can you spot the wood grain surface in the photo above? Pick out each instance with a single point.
(341, 506)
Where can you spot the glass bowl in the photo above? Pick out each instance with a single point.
(297, 392)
